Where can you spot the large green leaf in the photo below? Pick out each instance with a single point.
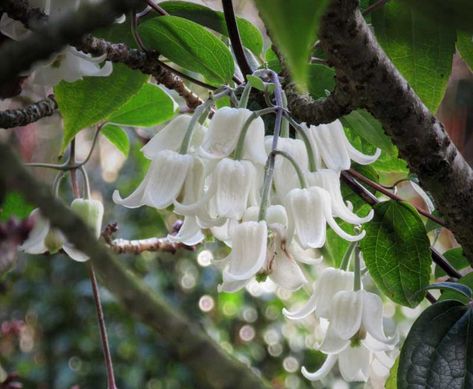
(422, 48)
(397, 253)
(293, 26)
(438, 352)
(465, 47)
(149, 107)
(86, 102)
(189, 45)
(370, 129)
(215, 20)
(117, 137)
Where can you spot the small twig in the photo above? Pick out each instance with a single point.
(22, 116)
(157, 8)
(235, 39)
(374, 7)
(393, 196)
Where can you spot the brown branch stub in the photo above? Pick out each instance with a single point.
(22, 116)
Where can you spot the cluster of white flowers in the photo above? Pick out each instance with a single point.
(215, 175)
(70, 64)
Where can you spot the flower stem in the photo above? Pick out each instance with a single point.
(246, 126)
(269, 168)
(285, 121)
(245, 95)
(346, 257)
(295, 165)
(357, 282)
(103, 331)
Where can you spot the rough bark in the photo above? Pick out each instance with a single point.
(22, 116)
(422, 140)
(213, 367)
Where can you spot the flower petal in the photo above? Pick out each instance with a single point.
(304, 311)
(332, 343)
(331, 142)
(323, 371)
(35, 244)
(189, 233)
(346, 314)
(373, 316)
(75, 254)
(286, 272)
(354, 363)
(253, 147)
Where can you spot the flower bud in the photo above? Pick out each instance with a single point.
(91, 211)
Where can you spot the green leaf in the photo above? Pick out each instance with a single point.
(465, 47)
(293, 26)
(321, 79)
(456, 258)
(250, 35)
(448, 295)
(14, 205)
(391, 382)
(397, 253)
(189, 45)
(422, 48)
(437, 353)
(89, 101)
(464, 290)
(149, 107)
(368, 128)
(272, 61)
(117, 137)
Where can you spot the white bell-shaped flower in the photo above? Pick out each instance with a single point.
(330, 181)
(224, 132)
(190, 232)
(309, 210)
(162, 184)
(335, 149)
(249, 240)
(329, 283)
(285, 177)
(70, 65)
(356, 316)
(43, 238)
(353, 364)
(171, 136)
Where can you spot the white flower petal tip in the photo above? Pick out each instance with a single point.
(75, 254)
(323, 371)
(189, 234)
(248, 251)
(286, 273)
(162, 183)
(35, 243)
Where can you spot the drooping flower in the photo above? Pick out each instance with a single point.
(330, 181)
(43, 238)
(309, 211)
(224, 131)
(162, 184)
(335, 150)
(328, 284)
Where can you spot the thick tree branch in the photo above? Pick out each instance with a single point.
(422, 141)
(22, 116)
(213, 367)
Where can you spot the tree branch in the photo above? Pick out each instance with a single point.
(213, 367)
(22, 116)
(421, 139)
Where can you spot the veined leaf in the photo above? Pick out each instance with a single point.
(215, 20)
(189, 45)
(397, 253)
(149, 107)
(87, 102)
(118, 137)
(437, 353)
(293, 26)
(465, 47)
(422, 48)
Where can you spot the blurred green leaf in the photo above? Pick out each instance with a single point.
(117, 137)
(456, 258)
(189, 45)
(293, 27)
(321, 79)
(465, 47)
(149, 107)
(370, 129)
(14, 205)
(89, 101)
(450, 295)
(250, 35)
(420, 47)
(391, 382)
(397, 253)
